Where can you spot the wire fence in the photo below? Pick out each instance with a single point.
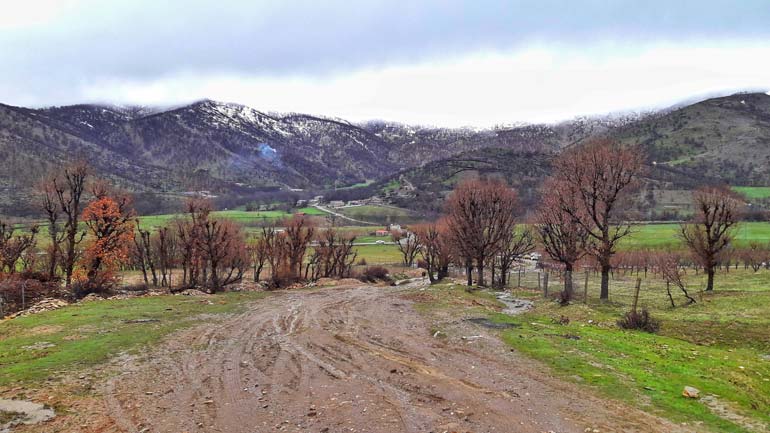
(586, 284)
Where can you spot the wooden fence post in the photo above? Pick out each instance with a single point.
(545, 285)
(585, 289)
(636, 294)
(538, 281)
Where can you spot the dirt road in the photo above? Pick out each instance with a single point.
(354, 359)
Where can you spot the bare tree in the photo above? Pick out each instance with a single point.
(299, 233)
(435, 248)
(277, 256)
(63, 193)
(164, 246)
(590, 181)
(709, 233)
(407, 245)
(480, 216)
(143, 254)
(13, 246)
(563, 239)
(670, 267)
(258, 250)
(50, 204)
(333, 256)
(517, 243)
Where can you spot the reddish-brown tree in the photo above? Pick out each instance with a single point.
(223, 251)
(277, 249)
(563, 239)
(709, 233)
(299, 233)
(333, 256)
(480, 217)
(590, 181)
(435, 248)
(258, 251)
(189, 234)
(513, 248)
(109, 219)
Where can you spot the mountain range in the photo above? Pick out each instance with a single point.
(234, 150)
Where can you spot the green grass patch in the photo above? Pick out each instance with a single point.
(35, 347)
(720, 345)
(753, 192)
(374, 211)
(378, 254)
(662, 236)
(240, 216)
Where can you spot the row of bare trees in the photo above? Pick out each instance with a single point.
(93, 230)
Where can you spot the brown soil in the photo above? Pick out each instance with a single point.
(347, 359)
(352, 359)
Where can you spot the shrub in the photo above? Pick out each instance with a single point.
(373, 274)
(362, 262)
(641, 321)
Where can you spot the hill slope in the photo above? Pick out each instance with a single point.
(233, 149)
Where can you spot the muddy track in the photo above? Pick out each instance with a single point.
(356, 359)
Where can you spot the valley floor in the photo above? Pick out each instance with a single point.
(353, 358)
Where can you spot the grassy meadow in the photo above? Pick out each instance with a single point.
(720, 345)
(753, 192)
(241, 216)
(80, 335)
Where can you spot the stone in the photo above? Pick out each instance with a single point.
(690, 392)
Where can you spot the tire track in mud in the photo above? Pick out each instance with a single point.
(348, 359)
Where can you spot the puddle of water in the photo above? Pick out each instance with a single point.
(513, 306)
(483, 321)
(28, 413)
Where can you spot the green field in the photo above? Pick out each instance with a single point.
(75, 337)
(721, 346)
(241, 216)
(378, 254)
(753, 192)
(656, 236)
(374, 211)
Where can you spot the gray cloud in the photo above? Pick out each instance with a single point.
(147, 40)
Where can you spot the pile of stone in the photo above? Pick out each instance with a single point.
(45, 304)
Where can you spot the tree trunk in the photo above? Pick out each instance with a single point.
(443, 271)
(480, 271)
(469, 272)
(568, 290)
(493, 272)
(710, 279)
(605, 288)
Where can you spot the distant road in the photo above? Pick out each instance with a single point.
(327, 210)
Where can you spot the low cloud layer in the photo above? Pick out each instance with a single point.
(437, 62)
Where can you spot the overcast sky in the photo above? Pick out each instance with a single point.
(439, 62)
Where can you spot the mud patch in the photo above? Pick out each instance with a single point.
(18, 412)
(483, 321)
